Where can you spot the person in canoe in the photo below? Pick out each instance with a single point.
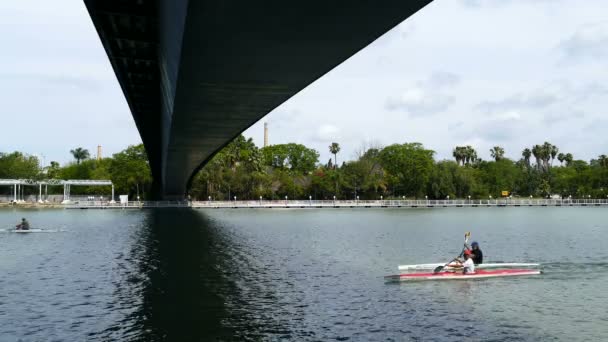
(24, 225)
(477, 253)
(468, 266)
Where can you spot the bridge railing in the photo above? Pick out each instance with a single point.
(339, 203)
(402, 203)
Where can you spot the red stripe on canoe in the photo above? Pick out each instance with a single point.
(507, 272)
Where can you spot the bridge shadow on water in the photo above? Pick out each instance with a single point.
(184, 281)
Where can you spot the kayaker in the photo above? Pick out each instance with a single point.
(24, 225)
(477, 253)
(468, 267)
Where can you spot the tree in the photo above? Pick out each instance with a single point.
(537, 152)
(548, 152)
(544, 154)
(364, 177)
(130, 169)
(293, 157)
(470, 155)
(602, 160)
(568, 158)
(80, 154)
(526, 153)
(334, 148)
(553, 151)
(497, 153)
(459, 154)
(500, 175)
(561, 157)
(52, 171)
(441, 181)
(409, 167)
(18, 165)
(464, 155)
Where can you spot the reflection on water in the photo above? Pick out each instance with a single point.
(181, 278)
(185, 275)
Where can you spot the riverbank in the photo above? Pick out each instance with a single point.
(32, 205)
(330, 204)
(326, 204)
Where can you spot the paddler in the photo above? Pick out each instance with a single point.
(24, 225)
(477, 253)
(468, 267)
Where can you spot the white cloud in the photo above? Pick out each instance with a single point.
(327, 133)
(588, 43)
(426, 97)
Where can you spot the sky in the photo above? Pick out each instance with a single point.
(511, 73)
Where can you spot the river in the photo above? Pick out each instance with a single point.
(311, 274)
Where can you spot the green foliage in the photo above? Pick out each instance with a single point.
(243, 170)
(80, 154)
(17, 165)
(395, 171)
(52, 171)
(499, 176)
(410, 167)
(128, 169)
(334, 148)
(293, 157)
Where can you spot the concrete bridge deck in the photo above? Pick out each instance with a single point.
(198, 73)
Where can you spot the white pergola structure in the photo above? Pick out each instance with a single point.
(67, 184)
(19, 184)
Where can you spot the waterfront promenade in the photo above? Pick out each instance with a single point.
(330, 204)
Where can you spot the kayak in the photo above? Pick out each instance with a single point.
(459, 276)
(26, 231)
(422, 267)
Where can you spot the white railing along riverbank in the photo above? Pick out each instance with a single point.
(303, 204)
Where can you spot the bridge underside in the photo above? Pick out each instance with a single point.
(198, 73)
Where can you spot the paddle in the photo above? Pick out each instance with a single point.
(466, 239)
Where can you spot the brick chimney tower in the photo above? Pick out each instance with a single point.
(98, 152)
(265, 134)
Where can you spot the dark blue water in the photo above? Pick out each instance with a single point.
(278, 274)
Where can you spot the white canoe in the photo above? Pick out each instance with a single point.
(27, 231)
(422, 267)
(459, 276)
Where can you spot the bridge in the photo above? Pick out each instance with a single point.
(197, 73)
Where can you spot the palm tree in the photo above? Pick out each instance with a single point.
(334, 148)
(537, 152)
(568, 158)
(470, 154)
(526, 153)
(80, 154)
(497, 153)
(561, 157)
(547, 149)
(603, 160)
(52, 170)
(554, 151)
(458, 154)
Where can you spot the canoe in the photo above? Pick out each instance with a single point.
(27, 231)
(422, 267)
(459, 276)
